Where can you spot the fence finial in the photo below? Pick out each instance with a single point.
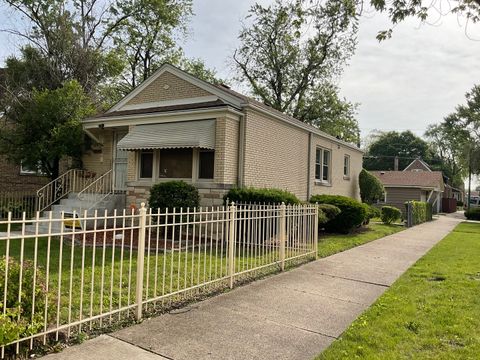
(142, 205)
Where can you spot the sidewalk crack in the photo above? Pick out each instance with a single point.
(140, 347)
(356, 280)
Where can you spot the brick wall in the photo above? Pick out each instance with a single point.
(167, 87)
(276, 154)
(11, 179)
(226, 151)
(100, 161)
(339, 185)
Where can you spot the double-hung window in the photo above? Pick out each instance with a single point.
(323, 165)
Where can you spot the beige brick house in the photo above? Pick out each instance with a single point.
(175, 126)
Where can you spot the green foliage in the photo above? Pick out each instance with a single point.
(260, 196)
(352, 215)
(371, 212)
(173, 194)
(473, 214)
(330, 211)
(387, 145)
(371, 189)
(420, 212)
(46, 126)
(292, 70)
(459, 203)
(19, 321)
(390, 214)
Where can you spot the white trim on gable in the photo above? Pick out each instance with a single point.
(427, 167)
(194, 100)
(223, 95)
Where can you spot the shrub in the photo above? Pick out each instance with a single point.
(473, 214)
(17, 321)
(352, 214)
(459, 203)
(330, 211)
(260, 196)
(371, 189)
(390, 214)
(419, 212)
(372, 212)
(173, 194)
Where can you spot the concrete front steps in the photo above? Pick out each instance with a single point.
(73, 205)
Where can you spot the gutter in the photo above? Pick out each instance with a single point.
(309, 166)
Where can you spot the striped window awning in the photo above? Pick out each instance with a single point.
(187, 134)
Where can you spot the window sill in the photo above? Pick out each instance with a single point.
(322, 183)
(346, 178)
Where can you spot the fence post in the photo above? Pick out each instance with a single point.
(140, 261)
(231, 244)
(315, 234)
(283, 229)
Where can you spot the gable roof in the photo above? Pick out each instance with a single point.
(221, 96)
(417, 165)
(415, 179)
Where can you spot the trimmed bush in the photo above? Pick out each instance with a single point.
(419, 212)
(459, 203)
(390, 214)
(352, 215)
(473, 214)
(371, 189)
(173, 194)
(260, 196)
(330, 211)
(17, 321)
(372, 212)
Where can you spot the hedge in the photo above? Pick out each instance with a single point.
(173, 194)
(260, 196)
(371, 189)
(327, 212)
(371, 212)
(418, 212)
(352, 215)
(473, 214)
(390, 214)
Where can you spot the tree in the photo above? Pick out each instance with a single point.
(407, 146)
(328, 112)
(291, 54)
(43, 126)
(146, 39)
(447, 145)
(371, 189)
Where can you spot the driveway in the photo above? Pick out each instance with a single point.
(293, 315)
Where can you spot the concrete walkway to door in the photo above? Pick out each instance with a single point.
(293, 315)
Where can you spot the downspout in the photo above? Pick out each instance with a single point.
(309, 167)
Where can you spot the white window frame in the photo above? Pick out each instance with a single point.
(320, 179)
(37, 172)
(346, 167)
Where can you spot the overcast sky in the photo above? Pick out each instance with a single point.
(407, 82)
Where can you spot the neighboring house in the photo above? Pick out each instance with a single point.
(403, 186)
(175, 126)
(15, 177)
(417, 165)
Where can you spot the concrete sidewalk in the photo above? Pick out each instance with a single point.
(293, 315)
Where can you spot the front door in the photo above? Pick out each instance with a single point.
(120, 164)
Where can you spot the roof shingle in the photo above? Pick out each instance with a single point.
(433, 179)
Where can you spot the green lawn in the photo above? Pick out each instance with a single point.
(114, 272)
(431, 312)
(333, 243)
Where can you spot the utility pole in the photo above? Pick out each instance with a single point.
(469, 176)
(395, 163)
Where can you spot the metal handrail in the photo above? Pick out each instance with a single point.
(102, 186)
(71, 181)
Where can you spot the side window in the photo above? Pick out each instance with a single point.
(146, 164)
(346, 166)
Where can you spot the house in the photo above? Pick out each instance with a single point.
(176, 126)
(416, 182)
(16, 177)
